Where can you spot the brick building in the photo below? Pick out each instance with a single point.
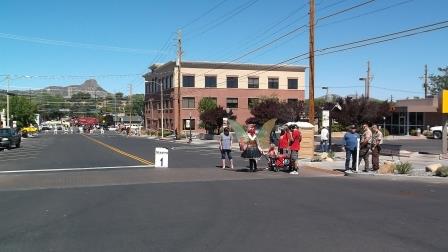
(234, 86)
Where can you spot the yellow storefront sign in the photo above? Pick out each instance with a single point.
(445, 101)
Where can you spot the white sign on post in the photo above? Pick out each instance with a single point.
(325, 118)
(187, 123)
(161, 157)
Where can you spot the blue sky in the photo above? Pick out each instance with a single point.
(138, 29)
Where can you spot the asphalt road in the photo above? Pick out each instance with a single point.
(198, 207)
(292, 214)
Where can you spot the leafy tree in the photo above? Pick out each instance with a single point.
(138, 105)
(81, 97)
(438, 82)
(271, 107)
(22, 110)
(49, 105)
(207, 103)
(212, 119)
(119, 96)
(361, 110)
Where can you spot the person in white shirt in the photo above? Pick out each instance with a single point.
(324, 140)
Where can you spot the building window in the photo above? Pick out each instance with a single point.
(171, 81)
(188, 80)
(293, 84)
(210, 81)
(253, 82)
(232, 102)
(188, 102)
(293, 101)
(232, 82)
(252, 102)
(185, 124)
(273, 83)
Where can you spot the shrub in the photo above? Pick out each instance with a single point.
(331, 154)
(442, 171)
(403, 168)
(413, 132)
(316, 159)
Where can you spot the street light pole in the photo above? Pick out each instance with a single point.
(190, 129)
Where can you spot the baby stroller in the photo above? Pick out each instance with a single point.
(280, 162)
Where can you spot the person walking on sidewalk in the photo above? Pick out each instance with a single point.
(377, 140)
(324, 140)
(366, 140)
(225, 146)
(351, 144)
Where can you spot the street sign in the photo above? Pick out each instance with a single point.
(325, 118)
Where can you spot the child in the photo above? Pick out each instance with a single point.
(272, 155)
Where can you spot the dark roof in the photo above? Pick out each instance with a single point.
(169, 66)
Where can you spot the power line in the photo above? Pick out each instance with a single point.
(203, 14)
(289, 33)
(222, 19)
(75, 44)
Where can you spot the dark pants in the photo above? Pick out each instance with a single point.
(252, 164)
(376, 158)
(364, 155)
(350, 154)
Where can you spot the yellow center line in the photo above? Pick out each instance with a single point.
(141, 160)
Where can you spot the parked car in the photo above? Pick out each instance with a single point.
(436, 132)
(9, 137)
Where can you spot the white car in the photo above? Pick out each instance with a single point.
(436, 132)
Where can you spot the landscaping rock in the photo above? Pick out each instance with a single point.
(324, 155)
(329, 159)
(387, 167)
(433, 167)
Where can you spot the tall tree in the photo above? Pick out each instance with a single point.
(438, 82)
(271, 107)
(211, 119)
(207, 103)
(361, 110)
(22, 110)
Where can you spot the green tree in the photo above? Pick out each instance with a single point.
(207, 103)
(119, 96)
(138, 105)
(211, 119)
(22, 110)
(49, 106)
(361, 110)
(271, 107)
(438, 82)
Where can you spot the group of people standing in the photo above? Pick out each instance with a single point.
(289, 142)
(370, 142)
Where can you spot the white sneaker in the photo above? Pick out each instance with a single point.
(294, 173)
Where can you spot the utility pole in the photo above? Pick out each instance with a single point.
(368, 81)
(426, 81)
(311, 79)
(130, 104)
(179, 79)
(8, 78)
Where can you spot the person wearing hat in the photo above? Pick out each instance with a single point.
(225, 146)
(350, 144)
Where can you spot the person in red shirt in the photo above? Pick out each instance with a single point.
(295, 147)
(283, 142)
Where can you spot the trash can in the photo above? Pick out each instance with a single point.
(161, 157)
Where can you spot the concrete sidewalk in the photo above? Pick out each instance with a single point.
(418, 161)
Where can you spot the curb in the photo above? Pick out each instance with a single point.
(397, 177)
